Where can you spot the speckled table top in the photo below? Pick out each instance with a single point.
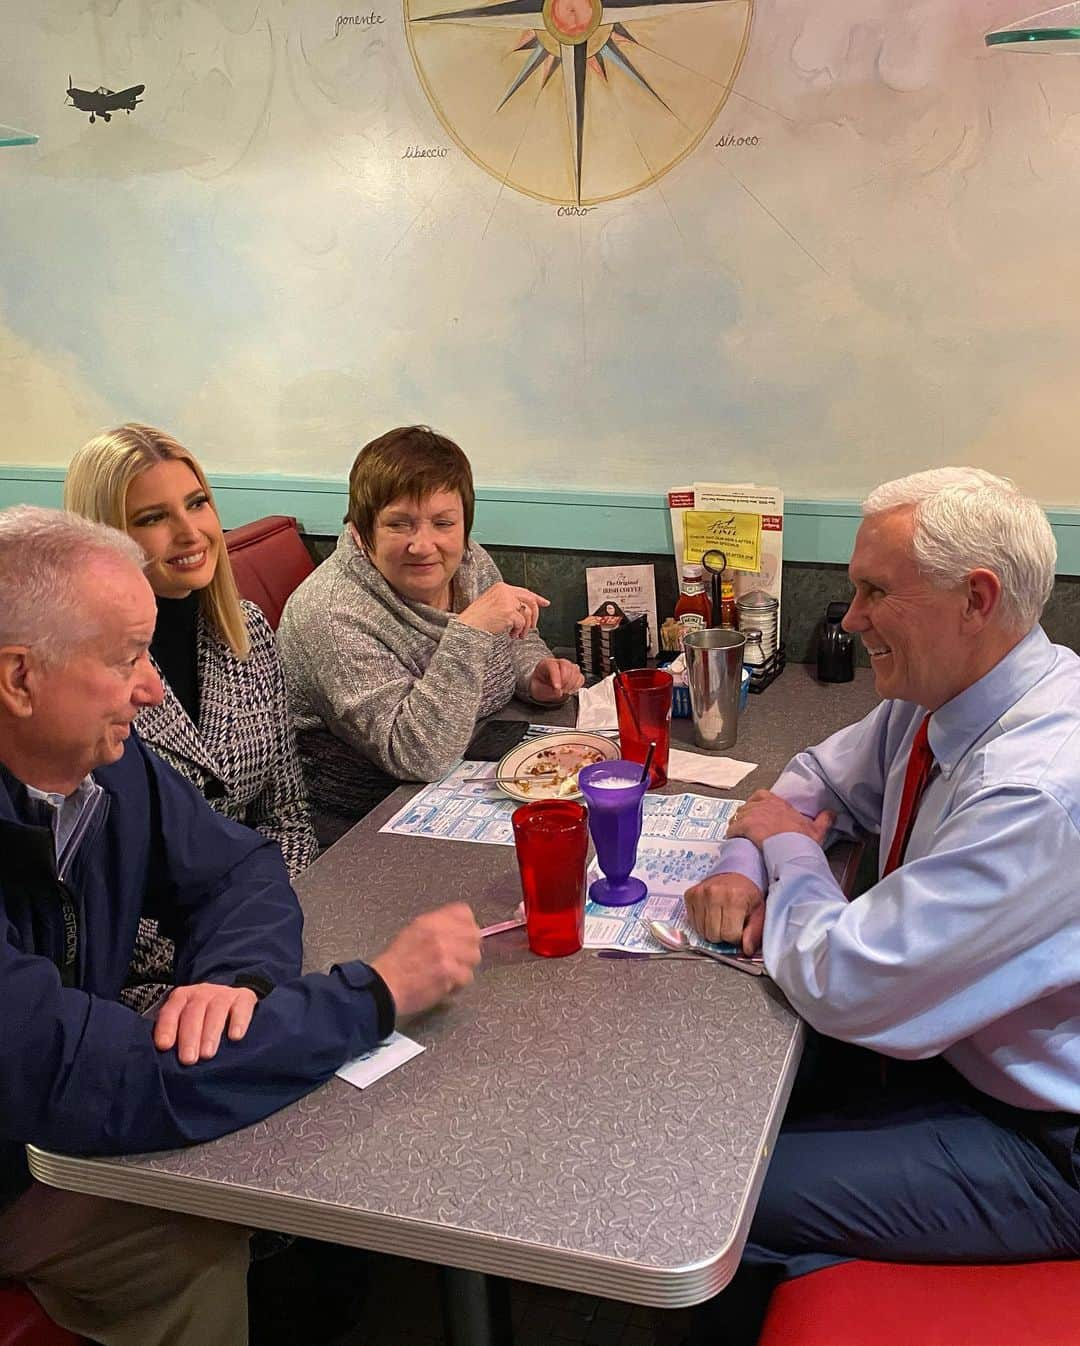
(598, 1125)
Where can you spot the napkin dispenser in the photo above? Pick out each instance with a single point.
(835, 647)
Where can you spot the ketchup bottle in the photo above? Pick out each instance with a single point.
(693, 609)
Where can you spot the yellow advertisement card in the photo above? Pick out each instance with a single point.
(738, 536)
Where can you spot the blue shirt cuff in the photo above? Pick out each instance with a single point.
(787, 846)
(740, 856)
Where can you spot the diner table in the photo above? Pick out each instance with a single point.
(599, 1125)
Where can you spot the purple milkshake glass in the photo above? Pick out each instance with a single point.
(615, 794)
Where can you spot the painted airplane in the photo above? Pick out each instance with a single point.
(102, 102)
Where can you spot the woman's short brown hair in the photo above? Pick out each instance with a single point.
(411, 463)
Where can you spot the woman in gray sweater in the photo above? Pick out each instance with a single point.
(407, 636)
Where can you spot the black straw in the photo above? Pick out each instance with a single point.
(648, 761)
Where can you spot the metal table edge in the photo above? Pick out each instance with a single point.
(586, 1273)
(772, 1129)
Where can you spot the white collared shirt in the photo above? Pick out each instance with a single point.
(971, 948)
(69, 816)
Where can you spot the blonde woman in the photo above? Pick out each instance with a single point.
(224, 722)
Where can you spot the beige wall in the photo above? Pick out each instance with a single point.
(887, 280)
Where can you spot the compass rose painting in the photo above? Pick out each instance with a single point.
(577, 101)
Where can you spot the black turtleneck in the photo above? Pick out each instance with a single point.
(175, 648)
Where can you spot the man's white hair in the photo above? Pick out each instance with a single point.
(43, 553)
(967, 519)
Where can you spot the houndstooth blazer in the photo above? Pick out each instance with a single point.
(242, 754)
(241, 757)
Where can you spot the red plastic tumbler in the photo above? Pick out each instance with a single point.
(552, 841)
(643, 701)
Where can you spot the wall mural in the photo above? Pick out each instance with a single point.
(604, 97)
(605, 244)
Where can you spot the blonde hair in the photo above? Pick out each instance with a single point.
(97, 485)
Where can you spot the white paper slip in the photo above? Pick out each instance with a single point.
(722, 772)
(380, 1061)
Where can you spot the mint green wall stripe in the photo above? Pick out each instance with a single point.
(814, 530)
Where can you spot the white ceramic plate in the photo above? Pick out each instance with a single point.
(564, 753)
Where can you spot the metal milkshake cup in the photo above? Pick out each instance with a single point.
(714, 674)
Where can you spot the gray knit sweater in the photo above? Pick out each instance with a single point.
(402, 683)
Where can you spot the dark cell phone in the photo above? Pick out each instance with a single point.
(495, 739)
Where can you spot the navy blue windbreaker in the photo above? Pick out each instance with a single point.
(79, 1072)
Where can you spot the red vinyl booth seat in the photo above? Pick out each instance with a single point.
(23, 1322)
(269, 560)
(900, 1304)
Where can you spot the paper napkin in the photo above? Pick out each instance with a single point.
(596, 706)
(722, 772)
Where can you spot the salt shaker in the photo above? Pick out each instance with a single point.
(753, 654)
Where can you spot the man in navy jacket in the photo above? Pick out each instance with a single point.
(95, 831)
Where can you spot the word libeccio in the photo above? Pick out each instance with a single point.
(573, 210)
(418, 152)
(725, 141)
(357, 21)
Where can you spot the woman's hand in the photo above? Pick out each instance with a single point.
(554, 680)
(504, 609)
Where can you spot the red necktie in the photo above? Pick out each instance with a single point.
(919, 768)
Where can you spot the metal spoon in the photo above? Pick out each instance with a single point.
(673, 938)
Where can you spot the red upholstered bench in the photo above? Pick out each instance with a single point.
(900, 1304)
(269, 560)
(23, 1322)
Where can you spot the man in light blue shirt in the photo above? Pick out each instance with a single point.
(965, 956)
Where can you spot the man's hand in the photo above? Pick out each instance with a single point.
(504, 609)
(194, 1017)
(766, 815)
(432, 957)
(728, 908)
(554, 680)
